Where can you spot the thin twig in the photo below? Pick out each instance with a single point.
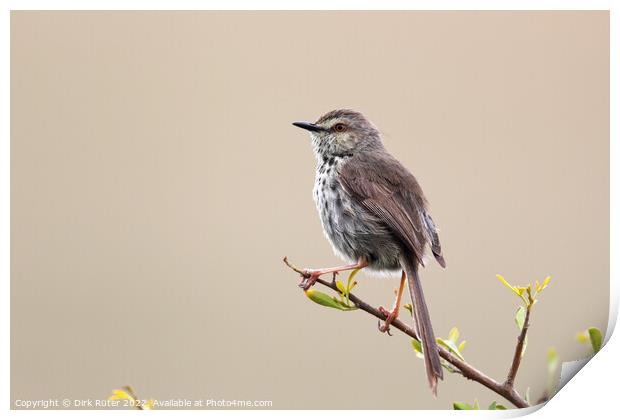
(467, 370)
(518, 356)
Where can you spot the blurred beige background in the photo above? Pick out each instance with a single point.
(157, 182)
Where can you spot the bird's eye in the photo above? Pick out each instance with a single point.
(340, 127)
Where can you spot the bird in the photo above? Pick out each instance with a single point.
(375, 215)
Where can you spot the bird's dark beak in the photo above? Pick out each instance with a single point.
(308, 126)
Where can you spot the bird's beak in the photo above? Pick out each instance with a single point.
(308, 126)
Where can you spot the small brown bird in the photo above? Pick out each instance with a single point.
(374, 214)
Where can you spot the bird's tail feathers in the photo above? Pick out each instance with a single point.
(422, 320)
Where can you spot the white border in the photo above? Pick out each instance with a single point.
(592, 395)
(311, 5)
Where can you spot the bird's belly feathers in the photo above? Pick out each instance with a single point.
(353, 232)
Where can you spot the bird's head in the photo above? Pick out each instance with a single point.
(341, 132)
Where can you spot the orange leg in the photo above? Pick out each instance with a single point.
(391, 316)
(311, 275)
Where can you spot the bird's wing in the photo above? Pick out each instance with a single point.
(391, 193)
(435, 244)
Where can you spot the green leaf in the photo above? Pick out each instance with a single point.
(495, 406)
(409, 308)
(327, 300)
(453, 335)
(457, 405)
(593, 336)
(596, 338)
(520, 317)
(340, 287)
(451, 347)
(527, 396)
(517, 290)
(351, 276)
(120, 394)
(553, 362)
(417, 346)
(583, 337)
(462, 345)
(508, 285)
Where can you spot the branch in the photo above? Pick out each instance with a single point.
(465, 369)
(516, 360)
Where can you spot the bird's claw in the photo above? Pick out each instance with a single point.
(309, 277)
(385, 328)
(389, 318)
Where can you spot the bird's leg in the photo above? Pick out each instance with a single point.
(391, 316)
(310, 275)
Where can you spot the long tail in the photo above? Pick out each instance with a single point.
(422, 320)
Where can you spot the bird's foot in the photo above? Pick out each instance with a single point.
(309, 277)
(389, 318)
